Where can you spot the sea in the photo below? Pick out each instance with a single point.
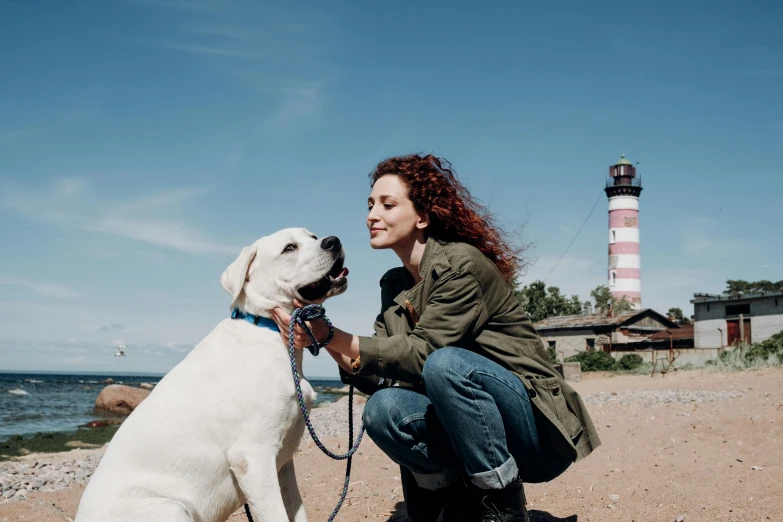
(33, 403)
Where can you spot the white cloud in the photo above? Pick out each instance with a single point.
(204, 49)
(703, 238)
(670, 287)
(300, 102)
(180, 346)
(114, 327)
(170, 235)
(182, 5)
(43, 288)
(236, 156)
(574, 275)
(69, 202)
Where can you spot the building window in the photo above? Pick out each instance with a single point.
(590, 344)
(614, 236)
(776, 301)
(552, 344)
(613, 279)
(708, 308)
(743, 309)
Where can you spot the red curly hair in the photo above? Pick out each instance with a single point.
(454, 215)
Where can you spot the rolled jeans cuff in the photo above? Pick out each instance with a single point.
(438, 480)
(497, 478)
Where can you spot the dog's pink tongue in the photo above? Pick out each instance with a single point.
(344, 272)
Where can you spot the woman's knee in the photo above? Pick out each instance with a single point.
(441, 369)
(379, 412)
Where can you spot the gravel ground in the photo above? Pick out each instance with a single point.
(692, 446)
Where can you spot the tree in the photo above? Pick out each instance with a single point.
(602, 297)
(623, 305)
(541, 302)
(738, 286)
(676, 315)
(603, 300)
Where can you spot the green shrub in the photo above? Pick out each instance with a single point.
(552, 353)
(630, 361)
(757, 355)
(594, 361)
(764, 350)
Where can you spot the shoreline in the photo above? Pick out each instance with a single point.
(329, 419)
(50, 442)
(16, 446)
(53, 462)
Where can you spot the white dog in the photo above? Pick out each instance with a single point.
(221, 428)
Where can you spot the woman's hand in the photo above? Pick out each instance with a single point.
(301, 339)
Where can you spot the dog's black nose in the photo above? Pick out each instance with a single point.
(331, 243)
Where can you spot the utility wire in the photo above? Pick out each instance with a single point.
(576, 236)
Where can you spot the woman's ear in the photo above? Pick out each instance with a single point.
(423, 221)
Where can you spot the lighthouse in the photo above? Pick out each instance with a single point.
(623, 189)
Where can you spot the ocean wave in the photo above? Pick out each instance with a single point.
(18, 392)
(32, 380)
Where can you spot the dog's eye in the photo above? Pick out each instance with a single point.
(289, 248)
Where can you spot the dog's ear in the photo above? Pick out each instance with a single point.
(233, 279)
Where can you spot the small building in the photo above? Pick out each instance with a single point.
(570, 334)
(675, 338)
(725, 320)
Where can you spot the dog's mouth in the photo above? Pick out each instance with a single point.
(332, 283)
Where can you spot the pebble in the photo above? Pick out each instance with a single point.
(19, 479)
(332, 421)
(657, 398)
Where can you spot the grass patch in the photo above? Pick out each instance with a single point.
(17, 445)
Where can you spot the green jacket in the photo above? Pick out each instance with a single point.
(464, 301)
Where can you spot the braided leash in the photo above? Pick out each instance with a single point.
(299, 316)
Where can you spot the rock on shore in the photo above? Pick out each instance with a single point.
(120, 399)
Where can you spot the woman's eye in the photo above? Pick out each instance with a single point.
(289, 248)
(387, 206)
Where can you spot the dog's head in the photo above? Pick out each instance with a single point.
(290, 264)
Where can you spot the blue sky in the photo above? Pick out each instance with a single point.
(143, 143)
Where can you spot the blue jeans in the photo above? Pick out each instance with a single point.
(473, 417)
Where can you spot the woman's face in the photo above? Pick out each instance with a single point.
(391, 218)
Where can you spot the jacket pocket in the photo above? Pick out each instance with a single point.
(550, 393)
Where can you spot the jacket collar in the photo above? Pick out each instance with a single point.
(431, 259)
(430, 250)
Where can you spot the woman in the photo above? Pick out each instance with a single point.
(463, 395)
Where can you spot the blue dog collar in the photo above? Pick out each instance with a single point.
(255, 319)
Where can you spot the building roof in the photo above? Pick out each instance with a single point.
(683, 332)
(623, 160)
(713, 298)
(591, 321)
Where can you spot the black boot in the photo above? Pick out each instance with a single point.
(505, 505)
(422, 505)
(463, 503)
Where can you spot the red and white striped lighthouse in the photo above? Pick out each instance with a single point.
(623, 189)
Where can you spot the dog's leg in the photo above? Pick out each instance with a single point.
(256, 472)
(290, 489)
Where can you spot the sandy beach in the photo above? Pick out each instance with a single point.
(692, 445)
